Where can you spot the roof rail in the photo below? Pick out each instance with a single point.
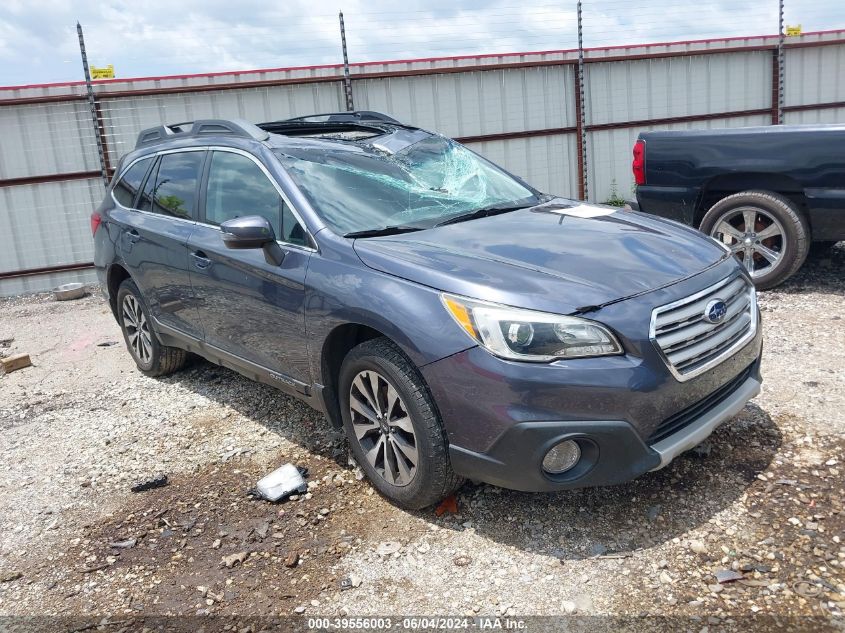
(346, 117)
(205, 127)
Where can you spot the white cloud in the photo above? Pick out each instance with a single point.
(38, 38)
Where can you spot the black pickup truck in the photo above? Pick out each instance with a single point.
(764, 192)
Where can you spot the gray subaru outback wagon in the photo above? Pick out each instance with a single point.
(455, 321)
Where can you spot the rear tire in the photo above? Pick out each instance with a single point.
(151, 357)
(766, 232)
(394, 431)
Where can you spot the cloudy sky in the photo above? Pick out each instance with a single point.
(38, 42)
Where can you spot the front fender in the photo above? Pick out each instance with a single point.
(344, 291)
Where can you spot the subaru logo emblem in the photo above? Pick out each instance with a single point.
(715, 311)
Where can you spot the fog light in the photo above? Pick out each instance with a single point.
(562, 457)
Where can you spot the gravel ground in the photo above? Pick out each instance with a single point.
(761, 502)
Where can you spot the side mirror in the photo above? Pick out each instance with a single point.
(253, 231)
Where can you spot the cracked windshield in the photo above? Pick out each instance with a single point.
(360, 187)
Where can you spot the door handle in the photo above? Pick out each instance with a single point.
(200, 260)
(133, 236)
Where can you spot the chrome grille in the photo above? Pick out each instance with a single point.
(690, 343)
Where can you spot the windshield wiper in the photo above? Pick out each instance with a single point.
(395, 229)
(483, 213)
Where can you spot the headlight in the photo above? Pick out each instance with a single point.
(527, 335)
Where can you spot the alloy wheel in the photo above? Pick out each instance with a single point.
(137, 329)
(754, 236)
(383, 428)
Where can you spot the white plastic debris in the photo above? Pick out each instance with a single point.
(281, 482)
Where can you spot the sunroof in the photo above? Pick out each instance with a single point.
(343, 131)
(344, 135)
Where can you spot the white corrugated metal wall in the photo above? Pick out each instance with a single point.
(126, 116)
(47, 139)
(813, 76)
(46, 224)
(489, 103)
(666, 88)
(519, 112)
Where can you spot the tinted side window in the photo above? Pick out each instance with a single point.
(176, 184)
(292, 230)
(145, 202)
(238, 187)
(127, 187)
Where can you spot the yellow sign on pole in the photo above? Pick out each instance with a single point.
(102, 73)
(793, 31)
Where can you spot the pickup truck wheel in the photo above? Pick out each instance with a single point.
(393, 427)
(151, 357)
(764, 230)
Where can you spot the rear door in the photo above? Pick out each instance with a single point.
(154, 241)
(251, 309)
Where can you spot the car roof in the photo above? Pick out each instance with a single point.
(339, 131)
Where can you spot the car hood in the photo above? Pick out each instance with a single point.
(561, 256)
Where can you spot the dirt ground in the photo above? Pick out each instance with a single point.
(759, 506)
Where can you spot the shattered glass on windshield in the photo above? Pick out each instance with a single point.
(361, 187)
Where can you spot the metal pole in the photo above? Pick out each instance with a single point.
(92, 103)
(347, 82)
(780, 62)
(581, 115)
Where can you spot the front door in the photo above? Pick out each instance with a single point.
(250, 308)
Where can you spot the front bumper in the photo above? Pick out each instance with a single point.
(696, 432)
(502, 417)
(612, 452)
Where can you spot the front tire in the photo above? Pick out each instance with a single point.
(393, 426)
(151, 357)
(764, 230)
